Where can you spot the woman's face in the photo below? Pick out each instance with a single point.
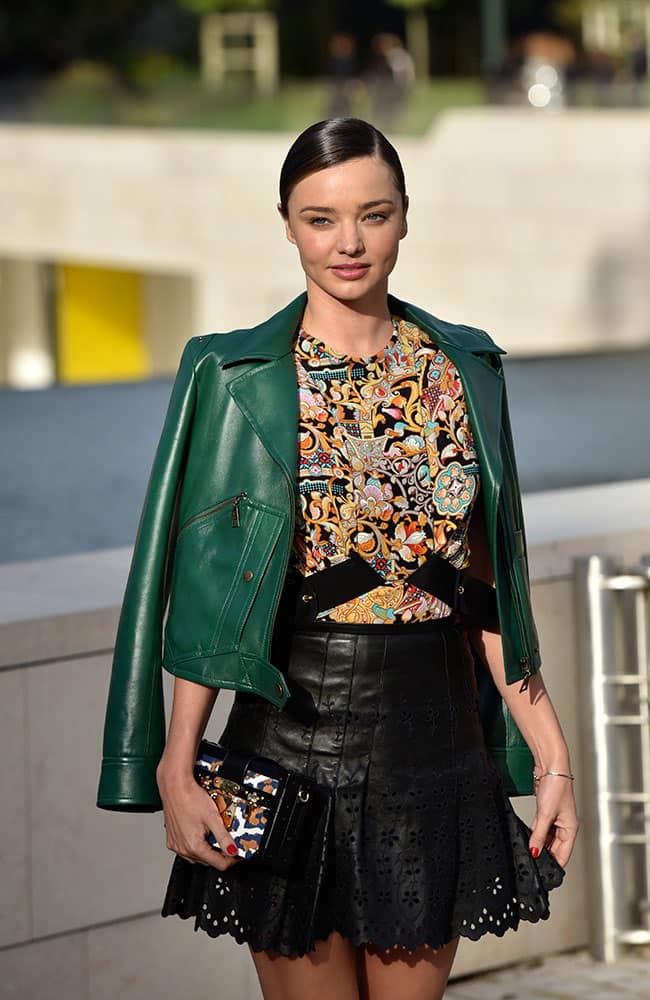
(347, 222)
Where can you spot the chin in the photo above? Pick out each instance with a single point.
(350, 291)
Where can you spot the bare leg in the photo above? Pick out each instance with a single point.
(410, 975)
(328, 972)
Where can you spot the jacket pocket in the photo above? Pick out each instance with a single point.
(220, 558)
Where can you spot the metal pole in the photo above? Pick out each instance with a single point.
(595, 616)
(643, 653)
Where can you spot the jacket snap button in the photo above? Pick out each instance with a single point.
(248, 574)
(279, 689)
(307, 597)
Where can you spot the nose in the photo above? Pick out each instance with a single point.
(349, 241)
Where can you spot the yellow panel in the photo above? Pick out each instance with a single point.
(99, 325)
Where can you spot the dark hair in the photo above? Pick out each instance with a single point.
(333, 141)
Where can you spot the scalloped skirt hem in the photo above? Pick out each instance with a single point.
(356, 940)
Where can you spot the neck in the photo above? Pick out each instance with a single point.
(358, 328)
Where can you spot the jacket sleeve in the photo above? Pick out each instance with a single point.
(134, 728)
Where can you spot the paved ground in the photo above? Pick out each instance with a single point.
(561, 977)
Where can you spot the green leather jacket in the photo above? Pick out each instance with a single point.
(215, 534)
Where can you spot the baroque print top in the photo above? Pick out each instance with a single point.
(386, 466)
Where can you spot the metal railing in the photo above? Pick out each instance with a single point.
(613, 622)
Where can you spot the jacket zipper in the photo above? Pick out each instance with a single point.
(235, 517)
(525, 666)
(523, 660)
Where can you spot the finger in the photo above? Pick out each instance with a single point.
(551, 837)
(202, 853)
(560, 854)
(562, 846)
(220, 833)
(227, 846)
(214, 854)
(182, 852)
(540, 830)
(172, 844)
(179, 845)
(215, 857)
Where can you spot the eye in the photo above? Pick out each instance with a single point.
(378, 215)
(318, 218)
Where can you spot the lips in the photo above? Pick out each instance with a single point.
(349, 271)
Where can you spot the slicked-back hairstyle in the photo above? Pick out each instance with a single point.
(332, 141)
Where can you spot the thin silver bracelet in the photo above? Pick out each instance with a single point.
(560, 774)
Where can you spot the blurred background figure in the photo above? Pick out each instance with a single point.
(636, 64)
(601, 69)
(390, 78)
(615, 38)
(547, 60)
(342, 73)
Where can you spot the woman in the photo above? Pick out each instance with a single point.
(411, 686)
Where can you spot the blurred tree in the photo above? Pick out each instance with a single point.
(417, 32)
(42, 35)
(304, 33)
(529, 15)
(569, 12)
(38, 36)
(222, 6)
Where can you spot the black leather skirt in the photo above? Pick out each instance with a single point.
(421, 844)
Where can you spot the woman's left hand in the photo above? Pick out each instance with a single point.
(556, 822)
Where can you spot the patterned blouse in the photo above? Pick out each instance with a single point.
(387, 466)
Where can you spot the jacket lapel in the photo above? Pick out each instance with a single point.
(267, 395)
(266, 390)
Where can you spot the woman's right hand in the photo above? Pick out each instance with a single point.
(190, 814)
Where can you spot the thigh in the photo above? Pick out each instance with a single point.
(418, 975)
(329, 971)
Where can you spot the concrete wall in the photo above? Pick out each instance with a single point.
(82, 888)
(534, 226)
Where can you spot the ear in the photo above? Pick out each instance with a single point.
(405, 227)
(288, 229)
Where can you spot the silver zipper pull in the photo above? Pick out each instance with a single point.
(236, 520)
(525, 663)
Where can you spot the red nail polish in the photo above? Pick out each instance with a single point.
(231, 849)
(535, 852)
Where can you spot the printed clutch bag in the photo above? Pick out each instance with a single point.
(267, 809)
(245, 805)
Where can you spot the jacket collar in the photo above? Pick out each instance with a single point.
(273, 338)
(257, 390)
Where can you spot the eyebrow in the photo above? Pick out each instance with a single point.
(326, 208)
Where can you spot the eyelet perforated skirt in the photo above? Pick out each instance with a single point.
(421, 843)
